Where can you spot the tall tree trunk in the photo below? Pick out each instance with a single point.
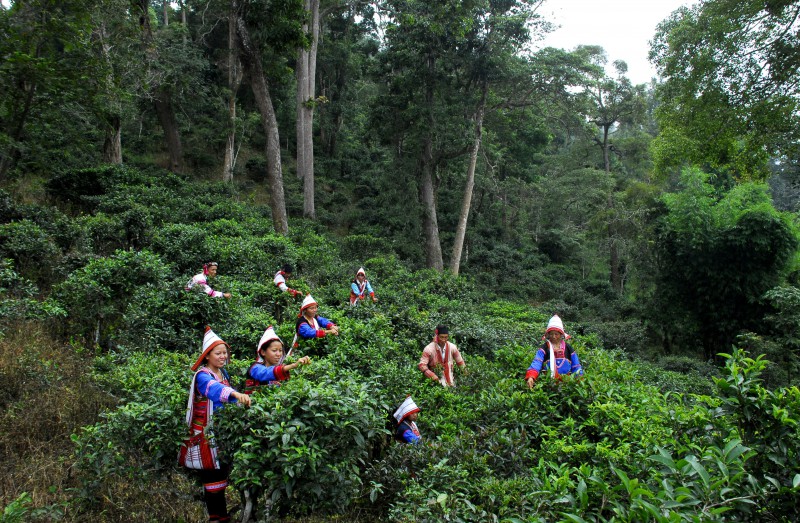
(112, 145)
(461, 229)
(306, 91)
(234, 80)
(430, 222)
(166, 13)
(162, 98)
(251, 60)
(613, 248)
(433, 247)
(184, 22)
(172, 135)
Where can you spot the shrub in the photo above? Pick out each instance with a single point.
(97, 295)
(679, 374)
(102, 233)
(32, 249)
(84, 188)
(18, 299)
(184, 245)
(140, 439)
(767, 422)
(305, 441)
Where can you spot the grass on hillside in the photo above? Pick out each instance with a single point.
(46, 395)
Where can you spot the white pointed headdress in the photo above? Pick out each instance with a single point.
(307, 302)
(361, 271)
(210, 340)
(555, 324)
(405, 408)
(267, 337)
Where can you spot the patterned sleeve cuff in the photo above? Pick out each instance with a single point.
(225, 395)
(532, 373)
(281, 373)
(320, 333)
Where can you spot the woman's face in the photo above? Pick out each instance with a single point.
(361, 277)
(218, 357)
(554, 336)
(311, 310)
(212, 271)
(272, 352)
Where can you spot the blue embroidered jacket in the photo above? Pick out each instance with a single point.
(568, 364)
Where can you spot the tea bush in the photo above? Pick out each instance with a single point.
(19, 299)
(141, 436)
(97, 295)
(675, 440)
(306, 441)
(33, 250)
(184, 245)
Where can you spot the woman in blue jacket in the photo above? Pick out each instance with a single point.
(554, 349)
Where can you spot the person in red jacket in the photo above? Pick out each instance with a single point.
(441, 355)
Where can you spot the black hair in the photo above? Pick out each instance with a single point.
(267, 343)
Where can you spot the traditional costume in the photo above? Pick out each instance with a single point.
(435, 356)
(259, 373)
(280, 280)
(201, 281)
(406, 431)
(565, 358)
(206, 395)
(359, 290)
(313, 328)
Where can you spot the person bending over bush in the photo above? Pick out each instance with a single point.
(201, 281)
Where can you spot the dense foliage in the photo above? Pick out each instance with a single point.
(141, 139)
(629, 442)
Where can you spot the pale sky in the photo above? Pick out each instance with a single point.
(622, 27)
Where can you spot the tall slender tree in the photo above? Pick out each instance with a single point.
(440, 57)
(306, 70)
(611, 101)
(161, 87)
(492, 57)
(234, 71)
(284, 19)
